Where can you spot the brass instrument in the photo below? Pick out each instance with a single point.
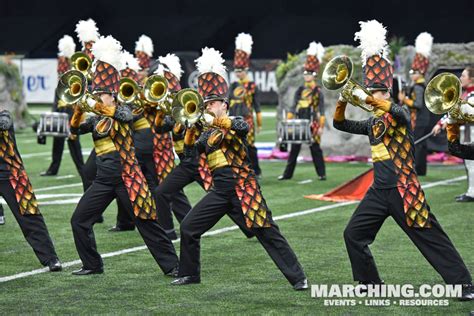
(83, 63)
(187, 107)
(155, 92)
(72, 89)
(130, 93)
(337, 74)
(443, 95)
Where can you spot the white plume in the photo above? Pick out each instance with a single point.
(87, 31)
(144, 44)
(423, 44)
(66, 46)
(109, 50)
(160, 70)
(211, 61)
(372, 37)
(244, 42)
(316, 49)
(172, 62)
(129, 61)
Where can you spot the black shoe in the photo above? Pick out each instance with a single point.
(48, 173)
(322, 178)
(2, 220)
(465, 198)
(120, 229)
(467, 292)
(83, 271)
(282, 177)
(55, 265)
(174, 272)
(301, 285)
(191, 279)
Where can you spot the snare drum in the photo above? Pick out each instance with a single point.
(294, 131)
(53, 124)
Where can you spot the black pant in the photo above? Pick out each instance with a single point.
(421, 150)
(253, 156)
(316, 153)
(147, 165)
(208, 212)
(33, 226)
(89, 170)
(174, 183)
(432, 242)
(169, 196)
(74, 149)
(91, 206)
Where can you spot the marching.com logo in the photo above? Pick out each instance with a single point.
(386, 294)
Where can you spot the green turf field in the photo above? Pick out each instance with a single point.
(237, 274)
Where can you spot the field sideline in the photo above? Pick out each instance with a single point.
(237, 274)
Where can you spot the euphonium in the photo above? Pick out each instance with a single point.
(443, 95)
(337, 74)
(155, 92)
(187, 107)
(130, 92)
(72, 89)
(83, 63)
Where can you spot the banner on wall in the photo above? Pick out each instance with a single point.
(262, 72)
(39, 79)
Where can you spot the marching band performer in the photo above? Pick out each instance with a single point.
(143, 141)
(169, 194)
(67, 48)
(464, 151)
(309, 104)
(144, 52)
(16, 189)
(244, 96)
(396, 191)
(88, 34)
(163, 156)
(115, 152)
(235, 187)
(420, 116)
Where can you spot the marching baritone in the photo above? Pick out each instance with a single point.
(235, 187)
(396, 191)
(115, 151)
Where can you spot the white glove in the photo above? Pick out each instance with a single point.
(341, 98)
(91, 102)
(208, 118)
(360, 94)
(450, 120)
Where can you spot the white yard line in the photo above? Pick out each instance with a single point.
(85, 151)
(68, 176)
(305, 181)
(72, 185)
(215, 232)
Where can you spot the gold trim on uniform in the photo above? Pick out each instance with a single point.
(216, 159)
(379, 152)
(179, 146)
(141, 123)
(104, 146)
